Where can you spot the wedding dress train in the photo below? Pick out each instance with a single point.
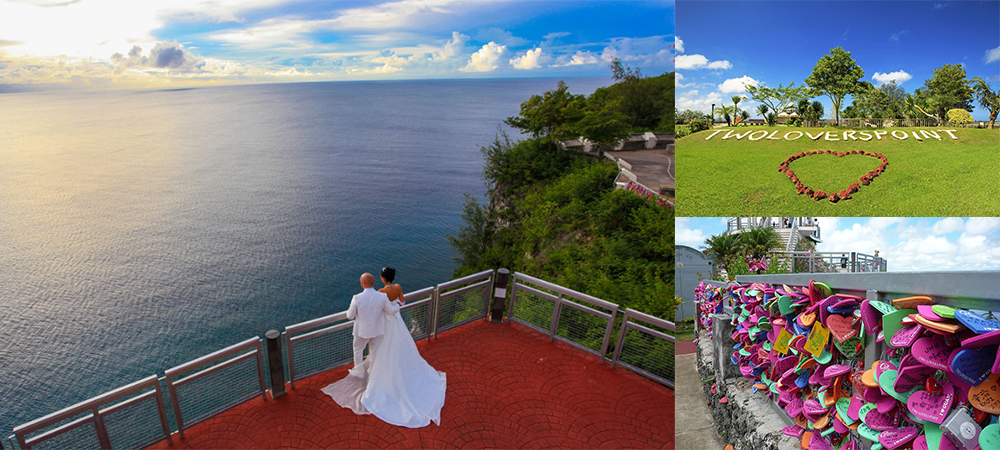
(399, 387)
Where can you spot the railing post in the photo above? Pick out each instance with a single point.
(436, 309)
(102, 431)
(854, 262)
(291, 360)
(274, 363)
(554, 327)
(499, 295)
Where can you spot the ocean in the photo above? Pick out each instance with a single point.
(142, 229)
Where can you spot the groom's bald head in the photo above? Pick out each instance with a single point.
(367, 280)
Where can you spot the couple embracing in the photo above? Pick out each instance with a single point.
(394, 382)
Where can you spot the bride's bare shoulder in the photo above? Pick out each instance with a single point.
(393, 291)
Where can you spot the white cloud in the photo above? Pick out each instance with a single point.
(982, 225)
(487, 59)
(691, 100)
(883, 223)
(530, 60)
(696, 61)
(687, 236)
(899, 75)
(991, 55)
(895, 36)
(453, 47)
(948, 225)
(733, 85)
(578, 59)
(678, 44)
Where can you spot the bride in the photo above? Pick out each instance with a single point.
(400, 387)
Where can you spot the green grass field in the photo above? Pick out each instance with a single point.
(932, 177)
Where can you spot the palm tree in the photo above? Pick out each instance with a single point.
(987, 97)
(759, 241)
(725, 247)
(725, 112)
(802, 109)
(744, 115)
(736, 101)
(762, 110)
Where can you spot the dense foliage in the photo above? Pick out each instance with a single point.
(570, 227)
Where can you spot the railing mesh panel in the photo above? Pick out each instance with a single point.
(416, 320)
(533, 309)
(323, 352)
(649, 353)
(134, 425)
(582, 328)
(83, 437)
(456, 309)
(205, 396)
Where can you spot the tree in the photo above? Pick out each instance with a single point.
(777, 99)
(809, 112)
(762, 110)
(946, 89)
(689, 115)
(744, 115)
(725, 247)
(836, 75)
(474, 239)
(736, 102)
(551, 115)
(757, 242)
(988, 98)
(644, 101)
(725, 113)
(959, 116)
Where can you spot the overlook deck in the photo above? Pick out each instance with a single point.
(508, 387)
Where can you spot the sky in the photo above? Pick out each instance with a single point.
(908, 244)
(139, 43)
(723, 45)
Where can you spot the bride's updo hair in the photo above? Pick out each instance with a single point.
(388, 273)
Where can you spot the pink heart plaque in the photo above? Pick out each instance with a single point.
(893, 439)
(932, 408)
(912, 376)
(793, 431)
(881, 421)
(932, 351)
(794, 407)
(905, 336)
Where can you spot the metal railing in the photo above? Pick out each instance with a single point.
(831, 262)
(105, 433)
(462, 301)
(224, 391)
(204, 387)
(543, 311)
(649, 352)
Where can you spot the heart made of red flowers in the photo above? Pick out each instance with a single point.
(834, 197)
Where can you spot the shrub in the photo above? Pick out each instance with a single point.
(771, 119)
(959, 117)
(697, 125)
(681, 131)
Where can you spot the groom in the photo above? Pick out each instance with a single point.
(368, 311)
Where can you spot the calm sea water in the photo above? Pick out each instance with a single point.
(142, 229)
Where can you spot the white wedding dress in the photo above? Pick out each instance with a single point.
(399, 387)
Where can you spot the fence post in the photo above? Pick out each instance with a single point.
(274, 363)
(854, 262)
(499, 295)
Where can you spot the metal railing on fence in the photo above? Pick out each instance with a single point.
(201, 388)
(532, 306)
(230, 385)
(648, 351)
(128, 423)
(463, 300)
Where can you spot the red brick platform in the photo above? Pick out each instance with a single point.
(508, 387)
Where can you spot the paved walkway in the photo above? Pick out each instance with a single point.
(652, 168)
(695, 427)
(508, 387)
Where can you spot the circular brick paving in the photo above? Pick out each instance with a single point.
(508, 387)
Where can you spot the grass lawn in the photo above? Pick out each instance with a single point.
(932, 177)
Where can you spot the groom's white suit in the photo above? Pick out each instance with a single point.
(368, 310)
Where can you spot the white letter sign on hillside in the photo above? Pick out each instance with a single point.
(845, 135)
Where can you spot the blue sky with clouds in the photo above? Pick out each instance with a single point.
(722, 45)
(909, 244)
(108, 43)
